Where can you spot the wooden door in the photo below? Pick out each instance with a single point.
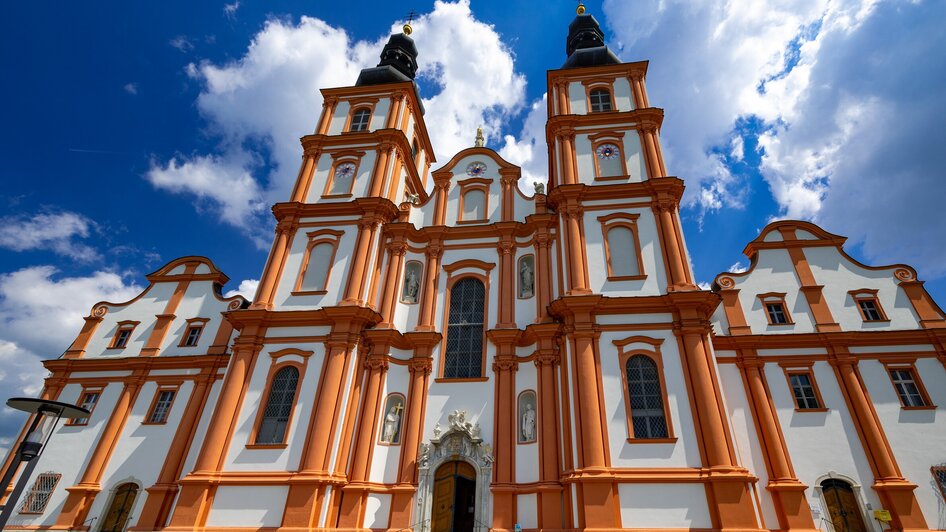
(454, 498)
(118, 512)
(445, 487)
(843, 507)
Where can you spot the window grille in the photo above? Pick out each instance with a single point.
(359, 121)
(869, 310)
(646, 398)
(38, 496)
(464, 353)
(939, 474)
(193, 336)
(600, 100)
(776, 313)
(804, 391)
(162, 407)
(905, 382)
(272, 429)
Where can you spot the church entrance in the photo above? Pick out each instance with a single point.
(843, 508)
(454, 498)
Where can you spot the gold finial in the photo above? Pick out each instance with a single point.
(581, 8)
(407, 27)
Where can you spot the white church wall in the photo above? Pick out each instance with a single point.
(335, 286)
(377, 509)
(634, 158)
(339, 118)
(584, 160)
(248, 506)
(773, 272)
(681, 506)
(385, 458)
(350, 374)
(379, 117)
(623, 99)
(144, 310)
(199, 301)
(577, 99)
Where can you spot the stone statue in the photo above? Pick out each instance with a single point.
(480, 140)
(526, 279)
(539, 188)
(411, 286)
(392, 424)
(528, 424)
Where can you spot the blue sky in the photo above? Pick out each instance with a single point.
(135, 133)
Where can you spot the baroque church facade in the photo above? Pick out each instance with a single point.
(432, 349)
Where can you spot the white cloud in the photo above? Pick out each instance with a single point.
(131, 88)
(229, 10)
(247, 289)
(846, 92)
(182, 43)
(530, 150)
(53, 231)
(260, 104)
(40, 315)
(738, 267)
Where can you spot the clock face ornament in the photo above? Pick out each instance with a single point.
(607, 151)
(345, 170)
(475, 169)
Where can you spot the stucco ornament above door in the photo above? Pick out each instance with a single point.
(460, 441)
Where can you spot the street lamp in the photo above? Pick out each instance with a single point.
(32, 446)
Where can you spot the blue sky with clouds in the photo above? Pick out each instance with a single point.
(134, 133)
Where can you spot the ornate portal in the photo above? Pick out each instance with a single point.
(459, 442)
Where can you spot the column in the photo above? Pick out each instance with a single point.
(76, 508)
(576, 264)
(433, 253)
(505, 366)
(543, 276)
(397, 100)
(380, 169)
(328, 109)
(441, 189)
(894, 490)
(78, 347)
(666, 208)
(788, 493)
(507, 283)
(396, 251)
(274, 264)
(304, 181)
(551, 514)
(508, 180)
(359, 261)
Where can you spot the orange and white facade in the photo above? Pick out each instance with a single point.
(430, 348)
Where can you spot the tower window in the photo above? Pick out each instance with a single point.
(38, 496)
(908, 387)
(622, 249)
(278, 408)
(648, 418)
(600, 100)
(360, 119)
(804, 390)
(317, 262)
(464, 353)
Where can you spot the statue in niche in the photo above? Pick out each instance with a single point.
(526, 279)
(527, 424)
(391, 432)
(411, 286)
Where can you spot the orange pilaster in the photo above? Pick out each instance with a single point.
(274, 264)
(433, 253)
(504, 367)
(550, 511)
(78, 347)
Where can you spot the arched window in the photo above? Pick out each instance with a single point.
(648, 418)
(464, 353)
(282, 392)
(316, 270)
(600, 100)
(474, 205)
(609, 162)
(622, 252)
(360, 119)
(119, 510)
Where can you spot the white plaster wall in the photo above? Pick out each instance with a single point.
(144, 310)
(384, 461)
(379, 117)
(248, 506)
(663, 506)
(345, 403)
(820, 442)
(839, 275)
(199, 301)
(651, 258)
(773, 272)
(476, 398)
(634, 157)
(527, 510)
(623, 98)
(584, 158)
(377, 509)
(336, 282)
(361, 182)
(287, 332)
(527, 454)
(339, 117)
(630, 147)
(523, 198)
(239, 457)
(745, 435)
(684, 452)
(577, 98)
(917, 437)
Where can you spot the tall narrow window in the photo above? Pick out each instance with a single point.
(803, 389)
(161, 407)
(600, 100)
(474, 205)
(316, 271)
(38, 496)
(908, 387)
(278, 409)
(647, 403)
(464, 353)
(360, 119)
(87, 400)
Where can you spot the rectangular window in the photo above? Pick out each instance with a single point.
(803, 389)
(907, 386)
(193, 335)
(161, 407)
(869, 310)
(38, 496)
(777, 315)
(600, 100)
(87, 401)
(121, 338)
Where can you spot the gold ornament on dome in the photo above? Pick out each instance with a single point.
(581, 8)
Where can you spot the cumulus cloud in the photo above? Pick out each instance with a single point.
(847, 94)
(40, 315)
(260, 104)
(58, 232)
(182, 43)
(229, 10)
(529, 150)
(131, 88)
(247, 289)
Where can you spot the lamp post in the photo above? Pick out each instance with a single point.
(33, 444)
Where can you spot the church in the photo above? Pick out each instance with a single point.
(433, 349)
